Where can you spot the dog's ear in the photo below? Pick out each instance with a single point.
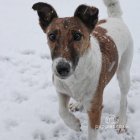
(88, 15)
(46, 14)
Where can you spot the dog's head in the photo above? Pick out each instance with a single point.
(68, 38)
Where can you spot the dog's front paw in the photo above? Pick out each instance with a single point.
(76, 125)
(73, 107)
(71, 121)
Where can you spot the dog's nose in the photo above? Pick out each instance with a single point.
(63, 69)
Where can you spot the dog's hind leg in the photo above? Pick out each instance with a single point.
(123, 76)
(69, 119)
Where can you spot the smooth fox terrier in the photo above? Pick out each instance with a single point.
(86, 53)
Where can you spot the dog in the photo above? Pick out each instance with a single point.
(86, 53)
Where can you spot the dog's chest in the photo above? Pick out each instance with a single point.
(77, 86)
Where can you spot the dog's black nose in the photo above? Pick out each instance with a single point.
(63, 69)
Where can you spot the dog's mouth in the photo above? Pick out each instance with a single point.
(63, 74)
(63, 77)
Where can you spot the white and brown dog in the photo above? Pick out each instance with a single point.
(86, 53)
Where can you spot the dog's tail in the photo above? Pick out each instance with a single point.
(114, 8)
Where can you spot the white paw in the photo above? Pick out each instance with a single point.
(76, 125)
(121, 129)
(73, 107)
(121, 126)
(71, 121)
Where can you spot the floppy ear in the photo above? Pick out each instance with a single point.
(88, 15)
(46, 14)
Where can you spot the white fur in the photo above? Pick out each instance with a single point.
(113, 8)
(78, 106)
(69, 119)
(121, 36)
(92, 133)
(123, 75)
(83, 83)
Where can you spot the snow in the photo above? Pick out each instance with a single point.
(28, 100)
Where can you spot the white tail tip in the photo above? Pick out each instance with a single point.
(113, 7)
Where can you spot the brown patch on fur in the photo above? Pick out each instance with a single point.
(95, 116)
(101, 21)
(109, 66)
(65, 46)
(109, 56)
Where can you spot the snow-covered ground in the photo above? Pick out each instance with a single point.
(28, 100)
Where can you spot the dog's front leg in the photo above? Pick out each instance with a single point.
(94, 123)
(94, 115)
(67, 116)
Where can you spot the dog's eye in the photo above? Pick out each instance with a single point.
(77, 36)
(52, 37)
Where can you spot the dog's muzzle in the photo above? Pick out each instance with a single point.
(62, 68)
